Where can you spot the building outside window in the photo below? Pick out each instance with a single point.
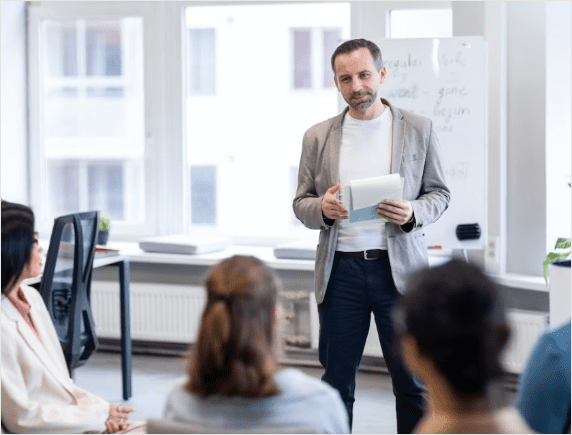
(311, 53)
(202, 62)
(91, 137)
(269, 91)
(203, 194)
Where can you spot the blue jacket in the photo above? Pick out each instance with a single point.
(544, 388)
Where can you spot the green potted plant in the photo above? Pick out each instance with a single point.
(558, 266)
(104, 227)
(557, 257)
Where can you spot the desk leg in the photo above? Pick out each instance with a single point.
(126, 348)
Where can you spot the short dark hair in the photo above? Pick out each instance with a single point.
(356, 44)
(17, 241)
(456, 315)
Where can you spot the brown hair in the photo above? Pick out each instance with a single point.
(233, 353)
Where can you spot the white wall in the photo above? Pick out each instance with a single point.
(495, 31)
(558, 116)
(526, 202)
(13, 131)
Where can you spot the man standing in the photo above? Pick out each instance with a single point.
(360, 270)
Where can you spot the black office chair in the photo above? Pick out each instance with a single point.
(66, 285)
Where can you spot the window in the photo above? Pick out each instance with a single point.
(312, 50)
(103, 188)
(202, 67)
(332, 38)
(203, 194)
(88, 138)
(418, 23)
(244, 140)
(302, 58)
(198, 129)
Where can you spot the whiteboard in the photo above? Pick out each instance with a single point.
(445, 80)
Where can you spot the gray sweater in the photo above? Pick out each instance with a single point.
(303, 400)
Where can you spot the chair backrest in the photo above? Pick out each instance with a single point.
(159, 426)
(66, 283)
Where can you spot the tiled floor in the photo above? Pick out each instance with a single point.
(153, 377)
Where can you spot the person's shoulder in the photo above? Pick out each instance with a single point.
(560, 337)
(294, 381)
(178, 390)
(554, 343)
(310, 394)
(321, 128)
(177, 399)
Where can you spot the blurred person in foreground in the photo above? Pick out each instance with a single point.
(453, 328)
(544, 387)
(38, 395)
(233, 378)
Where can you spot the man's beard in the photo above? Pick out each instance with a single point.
(362, 105)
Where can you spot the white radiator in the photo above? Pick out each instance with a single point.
(159, 312)
(172, 313)
(526, 328)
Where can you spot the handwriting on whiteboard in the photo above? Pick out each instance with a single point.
(458, 170)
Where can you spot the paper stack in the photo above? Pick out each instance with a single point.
(361, 197)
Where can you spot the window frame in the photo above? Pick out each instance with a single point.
(167, 177)
(263, 238)
(153, 128)
(318, 68)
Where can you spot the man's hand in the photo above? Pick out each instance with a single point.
(398, 212)
(331, 206)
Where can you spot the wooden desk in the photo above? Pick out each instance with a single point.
(122, 262)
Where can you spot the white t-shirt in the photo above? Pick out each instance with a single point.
(365, 152)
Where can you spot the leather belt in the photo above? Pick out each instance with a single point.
(372, 254)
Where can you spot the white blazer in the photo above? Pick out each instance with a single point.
(38, 395)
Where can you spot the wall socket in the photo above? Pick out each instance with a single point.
(492, 254)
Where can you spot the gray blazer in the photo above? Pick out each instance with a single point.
(415, 156)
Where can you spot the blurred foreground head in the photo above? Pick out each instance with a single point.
(233, 353)
(452, 320)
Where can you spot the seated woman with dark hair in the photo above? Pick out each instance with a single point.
(38, 395)
(233, 381)
(453, 329)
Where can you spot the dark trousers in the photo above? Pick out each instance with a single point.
(356, 288)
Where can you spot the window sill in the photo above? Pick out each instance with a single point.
(526, 282)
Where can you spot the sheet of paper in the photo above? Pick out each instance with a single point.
(369, 192)
(365, 215)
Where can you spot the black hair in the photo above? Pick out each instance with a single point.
(456, 315)
(356, 44)
(17, 241)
